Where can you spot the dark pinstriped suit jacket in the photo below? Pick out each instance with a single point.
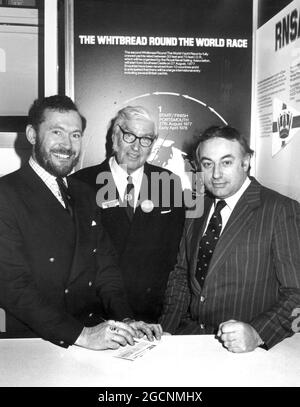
(254, 274)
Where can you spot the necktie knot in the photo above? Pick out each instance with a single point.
(129, 189)
(61, 182)
(220, 205)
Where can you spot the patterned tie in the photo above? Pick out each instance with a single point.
(65, 194)
(129, 198)
(208, 242)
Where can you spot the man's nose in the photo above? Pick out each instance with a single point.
(66, 141)
(217, 172)
(135, 145)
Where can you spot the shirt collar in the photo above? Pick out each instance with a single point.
(42, 173)
(232, 200)
(120, 172)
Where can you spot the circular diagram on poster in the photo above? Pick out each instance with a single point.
(180, 118)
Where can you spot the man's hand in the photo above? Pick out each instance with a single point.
(238, 336)
(107, 335)
(150, 330)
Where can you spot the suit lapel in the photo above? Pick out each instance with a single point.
(116, 213)
(145, 193)
(49, 211)
(47, 208)
(83, 218)
(140, 216)
(238, 223)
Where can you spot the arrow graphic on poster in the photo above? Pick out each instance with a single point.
(217, 114)
(138, 97)
(195, 100)
(204, 104)
(178, 94)
(166, 93)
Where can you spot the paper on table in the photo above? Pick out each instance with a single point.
(135, 351)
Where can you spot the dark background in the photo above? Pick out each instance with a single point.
(269, 8)
(101, 88)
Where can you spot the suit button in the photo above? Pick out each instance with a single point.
(95, 250)
(202, 298)
(52, 259)
(66, 291)
(61, 342)
(148, 290)
(202, 326)
(91, 314)
(90, 283)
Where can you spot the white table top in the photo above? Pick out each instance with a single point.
(178, 361)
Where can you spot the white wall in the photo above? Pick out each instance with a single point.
(19, 70)
(278, 85)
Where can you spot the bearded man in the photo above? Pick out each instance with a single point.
(57, 265)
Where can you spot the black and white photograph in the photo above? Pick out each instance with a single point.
(150, 199)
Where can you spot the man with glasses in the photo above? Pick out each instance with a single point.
(145, 216)
(57, 265)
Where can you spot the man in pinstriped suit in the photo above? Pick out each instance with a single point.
(252, 284)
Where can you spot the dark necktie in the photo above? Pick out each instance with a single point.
(129, 198)
(208, 242)
(65, 194)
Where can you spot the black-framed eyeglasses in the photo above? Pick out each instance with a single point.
(130, 138)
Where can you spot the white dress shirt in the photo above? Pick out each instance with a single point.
(48, 179)
(120, 176)
(231, 201)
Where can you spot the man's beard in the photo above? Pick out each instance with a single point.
(45, 161)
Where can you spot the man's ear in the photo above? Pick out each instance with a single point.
(115, 142)
(246, 162)
(31, 134)
(153, 144)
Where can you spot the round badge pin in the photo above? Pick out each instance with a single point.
(147, 206)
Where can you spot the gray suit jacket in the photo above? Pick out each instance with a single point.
(254, 274)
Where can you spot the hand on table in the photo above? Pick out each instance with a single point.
(107, 335)
(152, 331)
(238, 336)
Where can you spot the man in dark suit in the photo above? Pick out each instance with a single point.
(237, 272)
(57, 264)
(143, 214)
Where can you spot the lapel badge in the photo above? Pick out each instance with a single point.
(147, 205)
(110, 204)
(93, 223)
(128, 197)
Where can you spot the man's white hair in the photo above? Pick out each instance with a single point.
(132, 113)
